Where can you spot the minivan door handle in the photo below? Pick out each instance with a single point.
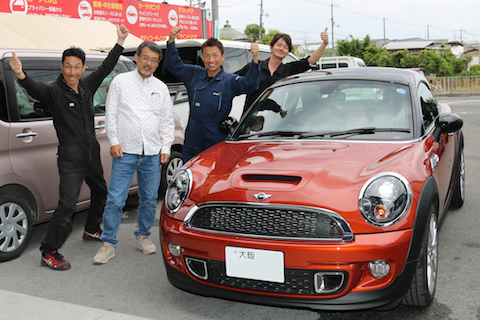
(100, 126)
(26, 134)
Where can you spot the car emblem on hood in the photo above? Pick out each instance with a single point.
(261, 196)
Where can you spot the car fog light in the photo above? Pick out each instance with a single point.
(174, 249)
(379, 268)
(382, 212)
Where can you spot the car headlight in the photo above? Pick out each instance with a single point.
(385, 199)
(178, 189)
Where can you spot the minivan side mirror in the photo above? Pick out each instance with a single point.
(447, 123)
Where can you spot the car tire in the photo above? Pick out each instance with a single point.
(424, 282)
(16, 226)
(458, 196)
(169, 170)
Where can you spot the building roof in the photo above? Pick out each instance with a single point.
(228, 32)
(47, 32)
(400, 45)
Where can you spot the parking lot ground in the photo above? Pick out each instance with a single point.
(26, 307)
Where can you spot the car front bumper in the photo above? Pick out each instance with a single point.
(303, 262)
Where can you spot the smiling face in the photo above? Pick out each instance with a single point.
(147, 62)
(72, 68)
(212, 60)
(280, 49)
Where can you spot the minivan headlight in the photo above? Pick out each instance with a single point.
(385, 199)
(178, 189)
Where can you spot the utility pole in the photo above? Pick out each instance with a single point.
(384, 33)
(428, 31)
(215, 18)
(260, 26)
(333, 32)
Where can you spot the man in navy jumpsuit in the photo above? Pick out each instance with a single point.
(210, 91)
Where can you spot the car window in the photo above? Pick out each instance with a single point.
(333, 106)
(264, 55)
(429, 105)
(30, 108)
(190, 55)
(235, 59)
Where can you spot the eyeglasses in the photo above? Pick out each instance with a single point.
(214, 56)
(152, 61)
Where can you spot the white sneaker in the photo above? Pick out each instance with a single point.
(105, 253)
(144, 244)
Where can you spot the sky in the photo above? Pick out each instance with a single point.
(303, 20)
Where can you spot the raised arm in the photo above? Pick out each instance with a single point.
(16, 66)
(174, 33)
(254, 49)
(314, 57)
(122, 33)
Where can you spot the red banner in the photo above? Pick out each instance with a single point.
(146, 20)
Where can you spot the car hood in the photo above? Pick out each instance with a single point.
(328, 175)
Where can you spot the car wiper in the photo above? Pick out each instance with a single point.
(367, 130)
(270, 134)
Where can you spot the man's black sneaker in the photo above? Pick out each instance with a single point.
(55, 261)
(92, 236)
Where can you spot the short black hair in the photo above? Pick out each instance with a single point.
(74, 52)
(213, 42)
(283, 36)
(152, 46)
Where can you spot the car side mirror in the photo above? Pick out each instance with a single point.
(447, 123)
(228, 125)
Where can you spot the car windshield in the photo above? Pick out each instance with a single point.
(343, 109)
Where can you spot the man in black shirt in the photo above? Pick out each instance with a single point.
(272, 69)
(70, 102)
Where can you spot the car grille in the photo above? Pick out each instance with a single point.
(297, 281)
(270, 221)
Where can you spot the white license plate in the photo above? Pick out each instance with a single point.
(254, 264)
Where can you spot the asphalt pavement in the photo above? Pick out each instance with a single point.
(21, 306)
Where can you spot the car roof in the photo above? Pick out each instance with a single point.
(49, 53)
(199, 42)
(396, 75)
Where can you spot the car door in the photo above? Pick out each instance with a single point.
(441, 154)
(32, 137)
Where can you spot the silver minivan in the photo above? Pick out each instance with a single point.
(29, 177)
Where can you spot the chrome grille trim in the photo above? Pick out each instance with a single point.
(285, 210)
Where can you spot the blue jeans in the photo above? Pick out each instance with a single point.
(148, 175)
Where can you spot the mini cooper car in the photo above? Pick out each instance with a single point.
(327, 195)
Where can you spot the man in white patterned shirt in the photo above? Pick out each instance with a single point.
(140, 129)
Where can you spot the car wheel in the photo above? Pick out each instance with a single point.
(16, 226)
(169, 170)
(424, 282)
(459, 186)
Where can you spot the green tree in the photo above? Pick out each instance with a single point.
(402, 59)
(474, 70)
(267, 38)
(374, 56)
(251, 31)
(354, 48)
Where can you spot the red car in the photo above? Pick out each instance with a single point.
(327, 195)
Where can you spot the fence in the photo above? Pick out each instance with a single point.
(455, 83)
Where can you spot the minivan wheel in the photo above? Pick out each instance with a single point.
(424, 282)
(16, 226)
(169, 170)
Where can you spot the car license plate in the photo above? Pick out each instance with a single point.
(255, 264)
